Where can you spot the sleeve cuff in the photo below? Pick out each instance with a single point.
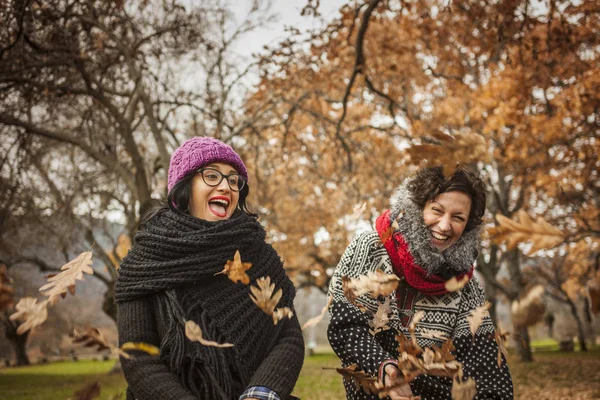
(381, 369)
(259, 392)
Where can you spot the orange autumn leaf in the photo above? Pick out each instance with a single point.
(262, 295)
(194, 333)
(236, 269)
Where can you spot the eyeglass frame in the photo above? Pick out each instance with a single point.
(223, 176)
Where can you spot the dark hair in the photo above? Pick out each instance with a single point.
(178, 200)
(429, 182)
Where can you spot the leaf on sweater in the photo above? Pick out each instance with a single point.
(454, 284)
(7, 292)
(65, 281)
(360, 379)
(88, 392)
(262, 295)
(463, 389)
(194, 333)
(315, 320)
(91, 337)
(139, 346)
(236, 269)
(541, 234)
(380, 320)
(31, 313)
(376, 283)
(476, 317)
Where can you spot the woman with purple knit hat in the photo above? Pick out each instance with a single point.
(172, 275)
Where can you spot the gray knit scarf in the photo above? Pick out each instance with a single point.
(457, 259)
(175, 256)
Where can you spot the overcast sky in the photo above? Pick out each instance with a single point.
(288, 14)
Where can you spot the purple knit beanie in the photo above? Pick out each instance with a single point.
(198, 152)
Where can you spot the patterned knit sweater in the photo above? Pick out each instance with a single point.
(445, 317)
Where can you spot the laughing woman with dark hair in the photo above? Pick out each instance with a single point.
(170, 277)
(436, 239)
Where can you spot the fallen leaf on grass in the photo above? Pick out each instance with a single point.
(88, 392)
(236, 269)
(31, 313)
(194, 333)
(64, 281)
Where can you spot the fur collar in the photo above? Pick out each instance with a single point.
(457, 259)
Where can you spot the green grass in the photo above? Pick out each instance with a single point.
(554, 375)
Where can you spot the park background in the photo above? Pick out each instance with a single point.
(331, 104)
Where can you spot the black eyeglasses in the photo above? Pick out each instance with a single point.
(213, 177)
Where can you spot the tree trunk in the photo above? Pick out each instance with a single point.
(580, 333)
(19, 343)
(523, 347)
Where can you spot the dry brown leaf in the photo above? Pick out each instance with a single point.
(359, 209)
(541, 234)
(88, 392)
(262, 295)
(140, 346)
(463, 390)
(236, 269)
(408, 346)
(360, 379)
(380, 320)
(281, 313)
(315, 320)
(500, 338)
(529, 309)
(194, 333)
(348, 289)
(376, 283)
(91, 337)
(433, 334)
(476, 317)
(31, 313)
(454, 284)
(462, 148)
(65, 281)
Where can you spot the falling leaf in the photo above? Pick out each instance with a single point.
(376, 283)
(454, 284)
(357, 212)
(417, 317)
(32, 313)
(461, 148)
(541, 234)
(408, 346)
(236, 269)
(91, 337)
(463, 390)
(262, 295)
(360, 379)
(348, 289)
(315, 320)
(433, 334)
(380, 320)
(281, 313)
(529, 309)
(65, 281)
(194, 333)
(88, 392)
(500, 338)
(476, 317)
(140, 346)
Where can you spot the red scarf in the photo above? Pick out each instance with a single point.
(404, 263)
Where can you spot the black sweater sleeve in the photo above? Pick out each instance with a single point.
(279, 371)
(147, 375)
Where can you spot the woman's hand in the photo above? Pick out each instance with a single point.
(392, 378)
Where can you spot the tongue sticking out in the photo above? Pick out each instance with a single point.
(218, 209)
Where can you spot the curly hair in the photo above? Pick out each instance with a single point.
(429, 182)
